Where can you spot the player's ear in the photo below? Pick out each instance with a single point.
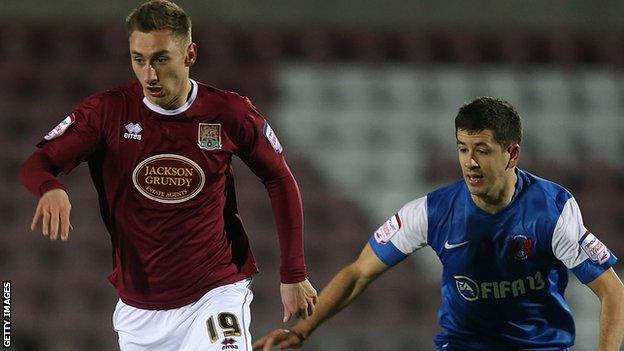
(514, 155)
(191, 55)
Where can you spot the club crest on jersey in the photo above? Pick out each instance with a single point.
(134, 130)
(60, 128)
(520, 247)
(594, 248)
(272, 138)
(388, 229)
(209, 136)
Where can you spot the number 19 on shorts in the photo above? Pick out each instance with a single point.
(228, 324)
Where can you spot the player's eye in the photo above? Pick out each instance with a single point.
(162, 59)
(482, 151)
(139, 60)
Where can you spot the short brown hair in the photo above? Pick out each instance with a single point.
(157, 15)
(491, 113)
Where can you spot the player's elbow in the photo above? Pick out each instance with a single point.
(611, 292)
(613, 301)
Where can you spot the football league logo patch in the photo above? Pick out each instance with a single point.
(272, 138)
(209, 136)
(388, 229)
(60, 128)
(594, 248)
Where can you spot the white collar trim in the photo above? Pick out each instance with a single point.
(152, 106)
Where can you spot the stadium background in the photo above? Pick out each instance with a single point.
(362, 95)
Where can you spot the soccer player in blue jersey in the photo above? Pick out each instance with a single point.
(506, 239)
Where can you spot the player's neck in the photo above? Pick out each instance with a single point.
(186, 94)
(189, 90)
(498, 199)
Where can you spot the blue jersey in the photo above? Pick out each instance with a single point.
(504, 274)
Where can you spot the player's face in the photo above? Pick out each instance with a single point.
(487, 167)
(161, 63)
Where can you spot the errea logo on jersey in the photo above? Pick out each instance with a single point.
(133, 131)
(473, 291)
(229, 344)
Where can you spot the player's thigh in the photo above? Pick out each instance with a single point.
(145, 330)
(222, 323)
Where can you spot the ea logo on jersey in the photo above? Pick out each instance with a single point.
(470, 290)
(520, 247)
(467, 287)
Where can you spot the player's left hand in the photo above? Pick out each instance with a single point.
(298, 299)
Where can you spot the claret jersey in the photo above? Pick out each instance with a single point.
(166, 191)
(504, 274)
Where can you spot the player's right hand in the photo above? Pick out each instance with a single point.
(282, 338)
(53, 210)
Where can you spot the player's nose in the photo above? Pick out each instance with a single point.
(471, 163)
(150, 74)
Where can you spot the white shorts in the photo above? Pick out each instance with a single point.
(219, 320)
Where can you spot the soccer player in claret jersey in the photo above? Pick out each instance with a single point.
(159, 151)
(506, 239)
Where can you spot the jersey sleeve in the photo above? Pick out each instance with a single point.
(578, 248)
(402, 234)
(74, 139)
(262, 152)
(258, 145)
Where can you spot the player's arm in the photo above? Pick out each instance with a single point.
(298, 295)
(344, 287)
(591, 261)
(38, 175)
(71, 142)
(610, 290)
(402, 234)
(260, 149)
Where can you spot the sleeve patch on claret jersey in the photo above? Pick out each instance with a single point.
(272, 138)
(388, 229)
(60, 128)
(594, 248)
